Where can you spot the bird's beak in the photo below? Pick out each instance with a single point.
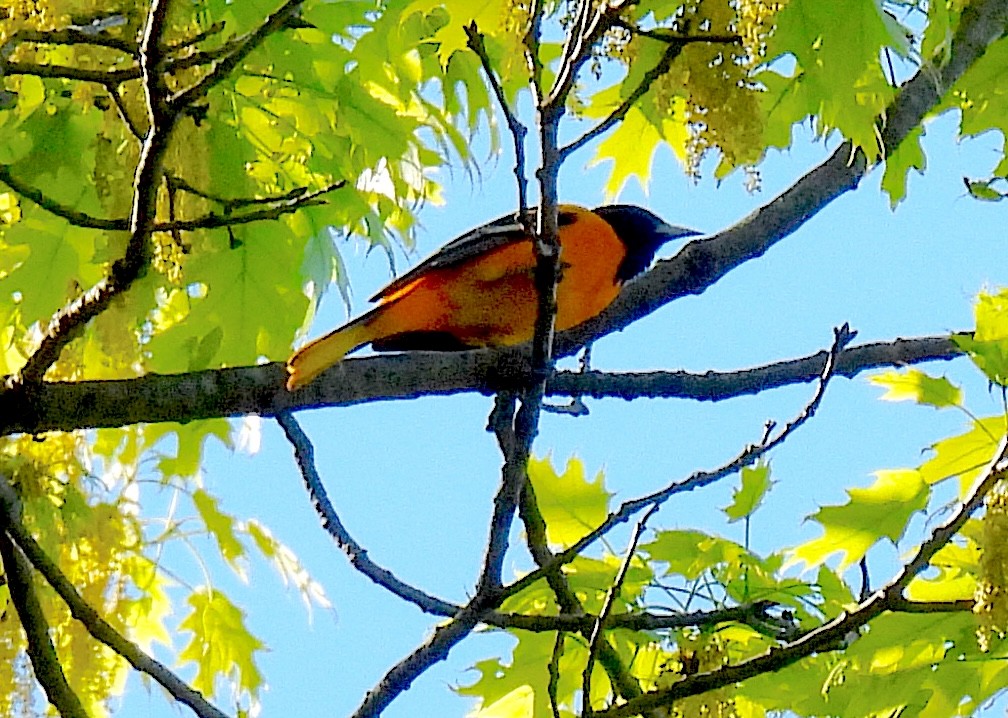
(669, 232)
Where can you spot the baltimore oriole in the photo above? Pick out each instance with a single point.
(479, 291)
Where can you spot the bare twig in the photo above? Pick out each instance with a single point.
(554, 673)
(72, 36)
(221, 68)
(596, 636)
(78, 219)
(674, 49)
(123, 112)
(101, 77)
(517, 129)
(305, 455)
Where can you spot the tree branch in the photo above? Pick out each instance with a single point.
(304, 453)
(517, 129)
(45, 663)
(215, 393)
(703, 262)
(699, 479)
(70, 320)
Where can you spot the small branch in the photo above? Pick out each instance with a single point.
(45, 663)
(530, 42)
(661, 67)
(304, 453)
(101, 77)
(488, 595)
(401, 676)
(69, 321)
(518, 130)
(219, 69)
(123, 112)
(100, 629)
(281, 206)
(899, 604)
(77, 219)
(751, 453)
(719, 386)
(596, 636)
(73, 36)
(554, 673)
(752, 614)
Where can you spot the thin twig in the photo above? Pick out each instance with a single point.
(123, 112)
(616, 116)
(747, 456)
(72, 36)
(517, 129)
(304, 453)
(554, 673)
(596, 636)
(219, 69)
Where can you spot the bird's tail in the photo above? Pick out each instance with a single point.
(315, 357)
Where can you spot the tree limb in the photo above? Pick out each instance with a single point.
(215, 393)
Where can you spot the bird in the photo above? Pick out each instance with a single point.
(479, 290)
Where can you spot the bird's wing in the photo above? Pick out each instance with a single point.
(485, 238)
(501, 231)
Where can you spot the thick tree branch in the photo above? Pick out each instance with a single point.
(703, 262)
(214, 393)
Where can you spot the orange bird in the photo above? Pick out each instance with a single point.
(479, 290)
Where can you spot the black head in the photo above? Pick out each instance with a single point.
(642, 232)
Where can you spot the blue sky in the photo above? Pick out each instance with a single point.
(414, 480)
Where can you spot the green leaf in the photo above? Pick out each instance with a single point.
(748, 497)
(221, 645)
(984, 190)
(222, 527)
(909, 155)
(880, 511)
(570, 504)
(988, 347)
(964, 455)
(915, 385)
(645, 137)
(691, 553)
(839, 79)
